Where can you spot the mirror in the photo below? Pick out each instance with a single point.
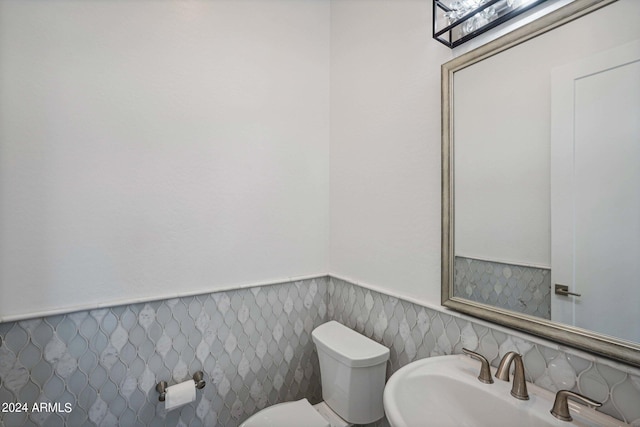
(541, 183)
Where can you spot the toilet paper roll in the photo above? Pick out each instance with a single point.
(180, 394)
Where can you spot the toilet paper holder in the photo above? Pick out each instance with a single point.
(162, 386)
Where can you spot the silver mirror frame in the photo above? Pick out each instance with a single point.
(576, 337)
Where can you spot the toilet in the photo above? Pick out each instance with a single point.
(352, 369)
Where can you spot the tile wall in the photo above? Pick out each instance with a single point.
(413, 332)
(514, 287)
(254, 346)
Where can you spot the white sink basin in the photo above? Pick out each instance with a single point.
(445, 391)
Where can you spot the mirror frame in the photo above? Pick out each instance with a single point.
(593, 342)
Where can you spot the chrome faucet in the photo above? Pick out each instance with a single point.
(485, 371)
(561, 405)
(519, 388)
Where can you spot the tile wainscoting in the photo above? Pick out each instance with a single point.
(254, 346)
(414, 332)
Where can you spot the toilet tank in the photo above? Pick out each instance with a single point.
(353, 370)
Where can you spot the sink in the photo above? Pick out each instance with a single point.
(445, 391)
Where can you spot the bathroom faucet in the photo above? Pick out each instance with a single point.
(519, 388)
(561, 405)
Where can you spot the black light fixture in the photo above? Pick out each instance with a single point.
(458, 21)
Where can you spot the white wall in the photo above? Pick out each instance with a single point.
(385, 146)
(153, 148)
(146, 145)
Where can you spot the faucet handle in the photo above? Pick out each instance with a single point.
(485, 371)
(560, 408)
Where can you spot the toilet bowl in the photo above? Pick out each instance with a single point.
(288, 414)
(352, 370)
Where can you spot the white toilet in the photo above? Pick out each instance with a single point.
(352, 368)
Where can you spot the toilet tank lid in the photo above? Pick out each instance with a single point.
(348, 346)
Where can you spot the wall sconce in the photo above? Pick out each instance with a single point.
(458, 21)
